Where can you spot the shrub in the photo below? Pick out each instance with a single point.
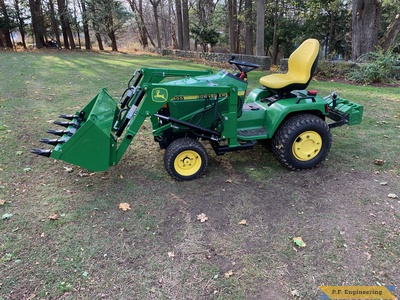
(333, 69)
(375, 67)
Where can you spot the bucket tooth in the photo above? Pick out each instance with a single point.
(68, 117)
(64, 124)
(58, 132)
(41, 152)
(53, 142)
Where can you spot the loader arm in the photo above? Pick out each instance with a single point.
(157, 95)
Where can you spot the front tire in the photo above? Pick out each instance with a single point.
(302, 142)
(185, 159)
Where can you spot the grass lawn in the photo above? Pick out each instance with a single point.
(63, 236)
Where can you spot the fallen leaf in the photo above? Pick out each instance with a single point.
(6, 216)
(2, 202)
(228, 274)
(379, 162)
(69, 169)
(121, 177)
(295, 293)
(368, 255)
(125, 206)
(202, 217)
(53, 217)
(243, 222)
(18, 153)
(299, 242)
(393, 196)
(27, 169)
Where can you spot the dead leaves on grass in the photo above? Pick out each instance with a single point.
(53, 217)
(243, 222)
(298, 241)
(379, 162)
(202, 217)
(124, 206)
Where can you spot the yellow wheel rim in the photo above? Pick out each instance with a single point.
(187, 163)
(307, 145)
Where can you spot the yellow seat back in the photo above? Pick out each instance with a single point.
(301, 66)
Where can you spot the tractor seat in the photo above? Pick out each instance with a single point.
(301, 66)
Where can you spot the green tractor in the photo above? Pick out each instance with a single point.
(186, 107)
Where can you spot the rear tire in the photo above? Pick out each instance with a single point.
(302, 142)
(185, 159)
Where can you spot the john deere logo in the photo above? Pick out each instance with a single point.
(159, 95)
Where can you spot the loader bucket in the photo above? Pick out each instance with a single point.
(87, 141)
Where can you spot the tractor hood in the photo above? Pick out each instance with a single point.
(221, 78)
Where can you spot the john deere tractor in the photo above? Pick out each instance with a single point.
(187, 108)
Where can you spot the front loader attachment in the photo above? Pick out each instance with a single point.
(87, 140)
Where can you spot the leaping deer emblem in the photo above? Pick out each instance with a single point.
(160, 95)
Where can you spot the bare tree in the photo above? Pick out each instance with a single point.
(137, 8)
(155, 4)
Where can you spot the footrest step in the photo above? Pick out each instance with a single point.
(252, 132)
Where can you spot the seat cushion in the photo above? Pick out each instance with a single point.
(301, 65)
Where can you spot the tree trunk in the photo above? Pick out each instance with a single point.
(155, 12)
(260, 47)
(143, 34)
(113, 39)
(1, 38)
(248, 8)
(37, 22)
(366, 17)
(54, 23)
(6, 29)
(233, 34)
(85, 22)
(179, 31)
(99, 41)
(61, 16)
(21, 23)
(185, 25)
(275, 42)
(391, 34)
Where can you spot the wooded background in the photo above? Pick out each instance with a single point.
(346, 29)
